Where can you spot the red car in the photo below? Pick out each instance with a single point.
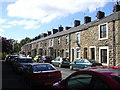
(41, 74)
(94, 78)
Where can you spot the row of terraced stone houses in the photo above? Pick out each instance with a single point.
(98, 40)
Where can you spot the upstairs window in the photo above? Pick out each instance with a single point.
(67, 39)
(103, 31)
(58, 40)
(77, 37)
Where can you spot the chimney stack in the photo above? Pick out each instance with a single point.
(87, 19)
(116, 7)
(49, 33)
(76, 23)
(44, 34)
(60, 28)
(100, 14)
(66, 28)
(55, 31)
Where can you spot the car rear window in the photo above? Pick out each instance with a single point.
(65, 59)
(43, 67)
(117, 78)
(26, 60)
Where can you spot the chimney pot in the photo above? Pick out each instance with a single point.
(49, 32)
(100, 14)
(60, 28)
(44, 34)
(55, 31)
(87, 19)
(66, 28)
(76, 23)
(116, 8)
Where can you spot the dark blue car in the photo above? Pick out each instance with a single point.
(83, 63)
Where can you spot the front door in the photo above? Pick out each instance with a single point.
(72, 58)
(85, 52)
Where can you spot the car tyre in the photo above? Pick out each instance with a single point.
(71, 67)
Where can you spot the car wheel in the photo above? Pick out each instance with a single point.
(71, 67)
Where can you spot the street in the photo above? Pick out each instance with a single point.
(10, 79)
(65, 72)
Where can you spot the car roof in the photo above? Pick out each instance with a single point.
(109, 71)
(37, 64)
(24, 57)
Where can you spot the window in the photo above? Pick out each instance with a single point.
(103, 31)
(77, 52)
(58, 40)
(92, 53)
(78, 37)
(85, 52)
(67, 40)
(50, 42)
(104, 55)
(79, 81)
(67, 53)
(84, 80)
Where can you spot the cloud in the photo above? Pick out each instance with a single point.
(2, 21)
(47, 10)
(25, 24)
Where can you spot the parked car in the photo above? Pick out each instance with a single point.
(92, 78)
(42, 74)
(45, 59)
(59, 61)
(83, 63)
(118, 64)
(10, 58)
(19, 63)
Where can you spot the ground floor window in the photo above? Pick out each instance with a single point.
(67, 53)
(77, 52)
(104, 54)
(93, 52)
(85, 52)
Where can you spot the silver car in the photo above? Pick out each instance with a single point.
(59, 61)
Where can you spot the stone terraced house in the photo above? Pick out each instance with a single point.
(98, 40)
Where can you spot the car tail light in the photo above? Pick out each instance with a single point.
(44, 59)
(91, 65)
(47, 75)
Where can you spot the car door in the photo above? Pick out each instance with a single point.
(79, 64)
(85, 81)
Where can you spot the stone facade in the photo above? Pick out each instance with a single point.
(98, 40)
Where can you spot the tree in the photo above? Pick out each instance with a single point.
(24, 41)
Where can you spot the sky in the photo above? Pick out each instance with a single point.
(29, 18)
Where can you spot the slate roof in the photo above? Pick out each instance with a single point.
(112, 17)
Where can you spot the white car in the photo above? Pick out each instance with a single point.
(118, 64)
(59, 61)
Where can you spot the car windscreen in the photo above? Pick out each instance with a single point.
(43, 67)
(11, 57)
(26, 60)
(65, 60)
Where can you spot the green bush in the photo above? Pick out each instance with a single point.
(3, 55)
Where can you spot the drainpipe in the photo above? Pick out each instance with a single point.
(69, 46)
(114, 44)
